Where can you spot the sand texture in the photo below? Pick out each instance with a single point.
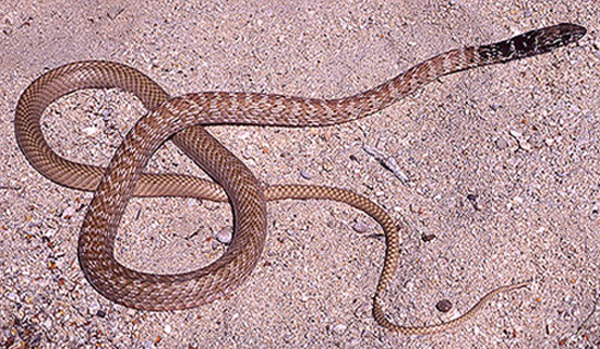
(495, 171)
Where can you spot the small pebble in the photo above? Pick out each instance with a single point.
(427, 237)
(339, 329)
(91, 131)
(101, 313)
(47, 323)
(243, 135)
(224, 235)
(516, 134)
(327, 166)
(94, 308)
(518, 200)
(444, 305)
(522, 142)
(49, 232)
(494, 106)
(305, 174)
(68, 212)
(363, 311)
(106, 113)
(473, 199)
(501, 143)
(168, 328)
(415, 209)
(361, 227)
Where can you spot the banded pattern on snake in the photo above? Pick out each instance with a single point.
(181, 119)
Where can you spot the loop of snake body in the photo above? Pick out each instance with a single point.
(181, 119)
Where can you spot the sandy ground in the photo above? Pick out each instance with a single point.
(503, 167)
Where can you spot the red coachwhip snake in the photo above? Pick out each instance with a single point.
(182, 118)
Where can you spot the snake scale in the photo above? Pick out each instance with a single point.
(181, 119)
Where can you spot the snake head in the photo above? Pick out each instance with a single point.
(555, 36)
(532, 43)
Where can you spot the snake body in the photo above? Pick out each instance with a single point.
(181, 119)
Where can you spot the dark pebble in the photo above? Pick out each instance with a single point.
(101, 313)
(444, 306)
(473, 199)
(427, 237)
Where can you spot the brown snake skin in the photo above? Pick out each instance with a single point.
(182, 118)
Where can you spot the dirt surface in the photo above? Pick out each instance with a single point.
(503, 168)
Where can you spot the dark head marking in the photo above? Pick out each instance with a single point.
(531, 43)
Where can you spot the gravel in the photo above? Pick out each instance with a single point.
(523, 136)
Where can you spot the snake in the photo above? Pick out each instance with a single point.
(182, 119)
